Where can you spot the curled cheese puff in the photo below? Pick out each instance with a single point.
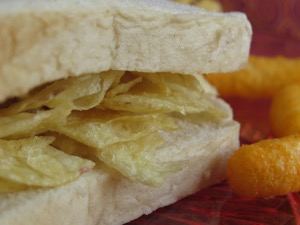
(261, 78)
(285, 111)
(267, 168)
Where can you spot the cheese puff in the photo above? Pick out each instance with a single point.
(209, 5)
(189, 2)
(267, 168)
(285, 111)
(261, 78)
(214, 5)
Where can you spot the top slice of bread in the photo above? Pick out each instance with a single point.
(46, 40)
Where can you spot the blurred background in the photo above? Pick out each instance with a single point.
(276, 23)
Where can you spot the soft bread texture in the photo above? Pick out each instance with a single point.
(45, 40)
(101, 198)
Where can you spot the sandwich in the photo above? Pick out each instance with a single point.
(105, 115)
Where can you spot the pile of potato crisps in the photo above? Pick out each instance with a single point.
(113, 119)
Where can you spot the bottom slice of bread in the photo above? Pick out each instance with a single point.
(99, 197)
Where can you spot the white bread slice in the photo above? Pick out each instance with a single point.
(45, 40)
(100, 198)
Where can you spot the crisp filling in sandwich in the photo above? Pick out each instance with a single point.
(118, 119)
(104, 112)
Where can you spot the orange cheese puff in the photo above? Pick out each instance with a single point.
(267, 168)
(189, 2)
(261, 78)
(285, 111)
(214, 5)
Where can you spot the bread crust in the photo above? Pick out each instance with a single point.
(49, 40)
